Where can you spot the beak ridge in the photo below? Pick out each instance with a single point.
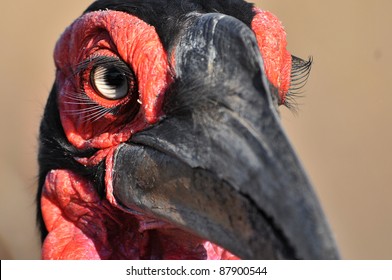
(219, 165)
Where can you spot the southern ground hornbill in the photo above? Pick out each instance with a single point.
(161, 138)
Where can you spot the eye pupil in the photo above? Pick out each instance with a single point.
(109, 82)
(114, 78)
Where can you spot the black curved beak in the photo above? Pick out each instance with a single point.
(219, 165)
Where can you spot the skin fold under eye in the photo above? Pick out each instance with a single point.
(110, 82)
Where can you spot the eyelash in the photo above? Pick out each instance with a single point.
(104, 61)
(93, 110)
(300, 72)
(85, 68)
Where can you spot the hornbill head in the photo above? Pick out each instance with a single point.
(161, 138)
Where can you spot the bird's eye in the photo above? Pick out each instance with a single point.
(110, 82)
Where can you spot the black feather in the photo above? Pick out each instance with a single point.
(170, 16)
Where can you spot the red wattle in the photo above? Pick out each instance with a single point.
(81, 225)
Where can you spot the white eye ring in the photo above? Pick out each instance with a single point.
(110, 82)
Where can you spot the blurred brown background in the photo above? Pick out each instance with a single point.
(342, 132)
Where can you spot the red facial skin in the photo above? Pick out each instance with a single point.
(116, 34)
(271, 39)
(81, 225)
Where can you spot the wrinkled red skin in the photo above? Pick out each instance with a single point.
(81, 225)
(271, 39)
(119, 35)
